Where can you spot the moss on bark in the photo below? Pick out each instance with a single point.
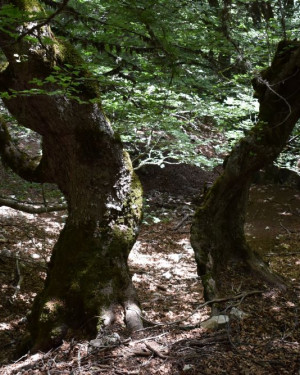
(88, 271)
(217, 233)
(28, 5)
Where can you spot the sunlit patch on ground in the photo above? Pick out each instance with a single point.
(166, 280)
(164, 273)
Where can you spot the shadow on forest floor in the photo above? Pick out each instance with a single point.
(266, 341)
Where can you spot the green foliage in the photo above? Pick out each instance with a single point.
(290, 157)
(167, 69)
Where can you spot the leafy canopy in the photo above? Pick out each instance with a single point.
(175, 76)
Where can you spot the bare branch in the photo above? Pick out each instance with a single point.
(29, 208)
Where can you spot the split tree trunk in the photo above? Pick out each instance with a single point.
(88, 271)
(217, 233)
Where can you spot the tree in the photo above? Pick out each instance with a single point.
(88, 271)
(172, 65)
(217, 233)
(161, 62)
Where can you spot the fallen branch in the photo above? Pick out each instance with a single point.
(218, 337)
(20, 279)
(207, 303)
(187, 216)
(29, 208)
(31, 361)
(140, 353)
(149, 338)
(282, 254)
(156, 352)
(286, 229)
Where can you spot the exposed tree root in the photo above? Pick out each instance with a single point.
(260, 269)
(133, 316)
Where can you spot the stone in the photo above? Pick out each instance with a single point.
(239, 314)
(215, 322)
(105, 341)
(167, 275)
(187, 367)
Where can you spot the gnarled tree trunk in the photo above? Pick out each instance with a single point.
(217, 233)
(88, 270)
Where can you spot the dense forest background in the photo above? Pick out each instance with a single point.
(199, 101)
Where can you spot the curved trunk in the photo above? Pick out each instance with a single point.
(217, 233)
(88, 270)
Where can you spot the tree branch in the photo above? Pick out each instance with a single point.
(45, 22)
(29, 208)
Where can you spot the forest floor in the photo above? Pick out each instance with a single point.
(264, 340)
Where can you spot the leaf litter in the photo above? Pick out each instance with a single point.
(265, 341)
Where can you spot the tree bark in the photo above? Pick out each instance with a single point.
(217, 233)
(259, 10)
(88, 272)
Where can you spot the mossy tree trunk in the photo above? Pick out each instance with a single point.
(217, 233)
(88, 271)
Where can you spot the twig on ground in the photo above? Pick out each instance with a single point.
(28, 366)
(20, 279)
(156, 352)
(141, 353)
(182, 221)
(44, 196)
(287, 230)
(219, 337)
(282, 254)
(149, 338)
(79, 360)
(21, 358)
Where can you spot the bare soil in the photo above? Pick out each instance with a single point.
(265, 341)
